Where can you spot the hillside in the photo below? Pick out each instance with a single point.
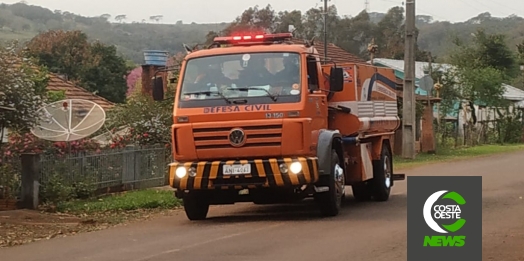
(23, 22)
(20, 21)
(436, 36)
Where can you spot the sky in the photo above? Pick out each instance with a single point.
(213, 11)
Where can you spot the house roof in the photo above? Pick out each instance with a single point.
(512, 93)
(56, 83)
(419, 66)
(334, 52)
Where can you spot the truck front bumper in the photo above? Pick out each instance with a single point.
(247, 174)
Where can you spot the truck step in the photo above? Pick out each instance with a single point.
(399, 176)
(321, 189)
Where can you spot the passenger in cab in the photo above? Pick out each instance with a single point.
(255, 73)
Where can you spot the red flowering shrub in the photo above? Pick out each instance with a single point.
(28, 143)
(134, 137)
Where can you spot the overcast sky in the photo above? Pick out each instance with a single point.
(206, 11)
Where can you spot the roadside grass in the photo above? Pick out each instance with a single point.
(119, 207)
(447, 154)
(125, 201)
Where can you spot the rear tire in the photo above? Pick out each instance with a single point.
(330, 202)
(196, 206)
(382, 175)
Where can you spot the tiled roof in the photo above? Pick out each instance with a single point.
(74, 92)
(335, 53)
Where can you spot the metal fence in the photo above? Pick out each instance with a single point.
(132, 167)
(10, 177)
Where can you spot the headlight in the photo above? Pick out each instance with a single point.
(295, 168)
(181, 172)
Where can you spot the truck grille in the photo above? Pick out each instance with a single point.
(256, 136)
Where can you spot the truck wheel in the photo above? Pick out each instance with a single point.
(361, 191)
(330, 202)
(196, 206)
(382, 175)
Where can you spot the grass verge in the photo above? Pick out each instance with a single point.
(445, 155)
(131, 200)
(116, 208)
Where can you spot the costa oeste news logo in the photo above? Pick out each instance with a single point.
(442, 213)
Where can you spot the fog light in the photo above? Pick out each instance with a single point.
(181, 172)
(283, 168)
(296, 167)
(192, 172)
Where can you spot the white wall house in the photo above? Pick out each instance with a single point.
(511, 94)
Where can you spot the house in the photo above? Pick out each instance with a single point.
(483, 114)
(71, 91)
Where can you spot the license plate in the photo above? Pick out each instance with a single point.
(236, 169)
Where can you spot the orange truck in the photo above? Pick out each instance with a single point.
(262, 119)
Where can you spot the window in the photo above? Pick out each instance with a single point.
(253, 77)
(312, 73)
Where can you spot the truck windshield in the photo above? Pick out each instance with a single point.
(250, 77)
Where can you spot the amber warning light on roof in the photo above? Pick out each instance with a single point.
(262, 38)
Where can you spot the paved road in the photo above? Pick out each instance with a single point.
(363, 231)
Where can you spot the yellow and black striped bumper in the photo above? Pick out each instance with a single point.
(264, 173)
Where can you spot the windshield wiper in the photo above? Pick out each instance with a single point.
(209, 93)
(273, 97)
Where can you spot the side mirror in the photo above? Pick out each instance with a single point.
(336, 79)
(158, 89)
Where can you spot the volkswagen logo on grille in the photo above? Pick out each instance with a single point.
(237, 137)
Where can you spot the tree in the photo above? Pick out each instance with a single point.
(19, 89)
(120, 18)
(105, 73)
(390, 35)
(63, 52)
(94, 66)
(253, 19)
(285, 19)
(520, 51)
(480, 70)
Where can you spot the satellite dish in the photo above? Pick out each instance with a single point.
(69, 120)
(426, 84)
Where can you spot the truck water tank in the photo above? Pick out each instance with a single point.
(155, 57)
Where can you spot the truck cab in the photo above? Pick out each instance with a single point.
(251, 123)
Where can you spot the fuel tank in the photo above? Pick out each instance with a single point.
(368, 103)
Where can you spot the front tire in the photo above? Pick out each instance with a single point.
(382, 175)
(196, 206)
(330, 202)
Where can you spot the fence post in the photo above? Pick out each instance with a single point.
(137, 154)
(128, 174)
(30, 180)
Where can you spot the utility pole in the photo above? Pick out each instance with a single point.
(408, 101)
(325, 29)
(372, 49)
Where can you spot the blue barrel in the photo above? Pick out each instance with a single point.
(155, 57)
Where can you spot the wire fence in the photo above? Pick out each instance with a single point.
(129, 168)
(10, 177)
